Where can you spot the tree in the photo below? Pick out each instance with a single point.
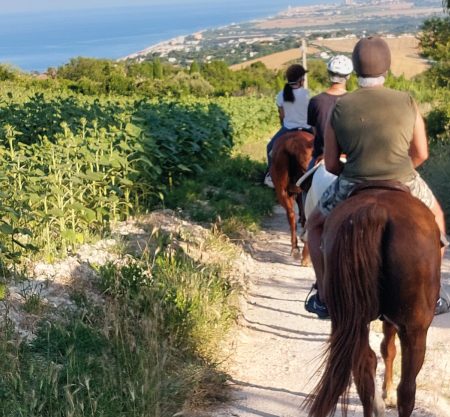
(7, 73)
(157, 69)
(140, 70)
(435, 44)
(220, 77)
(194, 67)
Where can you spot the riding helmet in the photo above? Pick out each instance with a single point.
(295, 73)
(340, 65)
(371, 57)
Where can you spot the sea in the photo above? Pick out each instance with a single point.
(37, 40)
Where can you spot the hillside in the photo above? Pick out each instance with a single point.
(245, 41)
(405, 54)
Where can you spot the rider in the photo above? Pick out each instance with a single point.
(292, 103)
(383, 135)
(339, 69)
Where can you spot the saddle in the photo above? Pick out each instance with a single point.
(391, 185)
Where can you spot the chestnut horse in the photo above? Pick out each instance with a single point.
(382, 260)
(290, 158)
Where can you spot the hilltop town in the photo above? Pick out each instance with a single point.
(241, 42)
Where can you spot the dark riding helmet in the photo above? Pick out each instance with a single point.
(371, 57)
(295, 73)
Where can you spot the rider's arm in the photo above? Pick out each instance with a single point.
(332, 151)
(418, 149)
(281, 114)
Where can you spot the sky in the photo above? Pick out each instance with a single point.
(13, 6)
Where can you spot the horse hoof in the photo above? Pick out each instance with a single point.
(390, 399)
(296, 254)
(306, 263)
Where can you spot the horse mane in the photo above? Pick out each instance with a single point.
(353, 268)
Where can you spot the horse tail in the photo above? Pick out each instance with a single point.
(353, 266)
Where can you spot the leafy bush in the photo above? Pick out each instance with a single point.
(438, 123)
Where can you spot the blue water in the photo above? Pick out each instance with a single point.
(38, 40)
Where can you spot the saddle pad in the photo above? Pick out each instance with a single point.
(380, 185)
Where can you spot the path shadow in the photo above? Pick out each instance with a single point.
(273, 298)
(274, 309)
(275, 330)
(262, 387)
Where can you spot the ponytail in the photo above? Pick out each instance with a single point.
(288, 93)
(295, 75)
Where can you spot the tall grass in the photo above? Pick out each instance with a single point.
(145, 351)
(70, 166)
(229, 194)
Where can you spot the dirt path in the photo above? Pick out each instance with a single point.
(274, 353)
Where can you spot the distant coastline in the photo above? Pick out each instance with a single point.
(247, 41)
(36, 41)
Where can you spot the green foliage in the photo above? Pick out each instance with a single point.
(230, 191)
(437, 174)
(143, 352)
(220, 77)
(438, 121)
(318, 79)
(194, 68)
(194, 84)
(140, 70)
(435, 43)
(434, 37)
(104, 159)
(126, 281)
(157, 79)
(157, 69)
(7, 73)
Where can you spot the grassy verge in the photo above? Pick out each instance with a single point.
(148, 343)
(149, 349)
(229, 194)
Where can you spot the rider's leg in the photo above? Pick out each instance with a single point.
(271, 144)
(420, 189)
(440, 220)
(314, 226)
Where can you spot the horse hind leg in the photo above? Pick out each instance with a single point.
(413, 341)
(388, 351)
(305, 258)
(364, 371)
(288, 203)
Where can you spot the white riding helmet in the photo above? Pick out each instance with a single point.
(340, 65)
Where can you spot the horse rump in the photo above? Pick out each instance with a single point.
(372, 269)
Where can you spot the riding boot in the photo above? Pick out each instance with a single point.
(443, 302)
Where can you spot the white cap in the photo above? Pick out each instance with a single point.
(340, 65)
